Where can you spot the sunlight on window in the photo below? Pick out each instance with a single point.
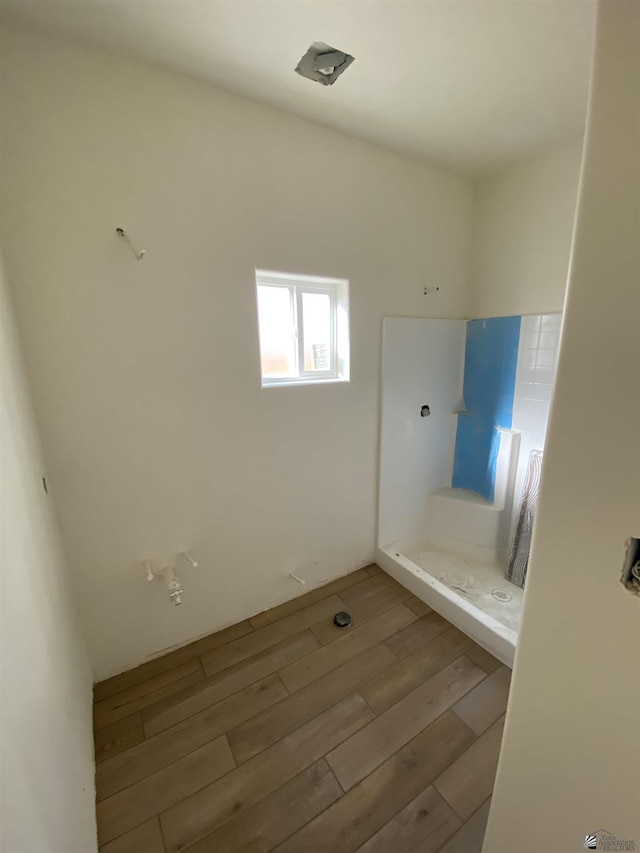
(316, 322)
(304, 328)
(277, 331)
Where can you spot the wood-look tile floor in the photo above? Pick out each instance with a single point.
(286, 733)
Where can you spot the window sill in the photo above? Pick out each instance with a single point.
(286, 383)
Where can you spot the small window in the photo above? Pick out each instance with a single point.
(304, 328)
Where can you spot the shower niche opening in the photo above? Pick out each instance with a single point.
(454, 484)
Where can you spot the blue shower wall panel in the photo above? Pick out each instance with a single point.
(490, 361)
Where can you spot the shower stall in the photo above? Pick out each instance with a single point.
(464, 409)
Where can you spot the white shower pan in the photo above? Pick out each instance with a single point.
(461, 584)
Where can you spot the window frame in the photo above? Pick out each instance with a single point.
(298, 285)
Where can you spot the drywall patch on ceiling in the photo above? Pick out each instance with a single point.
(323, 63)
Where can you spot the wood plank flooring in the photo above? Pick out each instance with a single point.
(284, 733)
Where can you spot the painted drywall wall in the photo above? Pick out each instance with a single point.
(146, 375)
(422, 365)
(523, 220)
(570, 760)
(46, 750)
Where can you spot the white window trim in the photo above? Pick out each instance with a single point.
(338, 292)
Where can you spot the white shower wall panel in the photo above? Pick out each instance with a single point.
(423, 364)
(535, 377)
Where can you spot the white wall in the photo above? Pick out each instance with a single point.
(46, 747)
(422, 365)
(523, 219)
(570, 761)
(146, 375)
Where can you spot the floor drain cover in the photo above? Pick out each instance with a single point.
(501, 595)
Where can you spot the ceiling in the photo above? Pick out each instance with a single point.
(470, 84)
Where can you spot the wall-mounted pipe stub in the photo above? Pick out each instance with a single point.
(172, 583)
(139, 255)
(631, 565)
